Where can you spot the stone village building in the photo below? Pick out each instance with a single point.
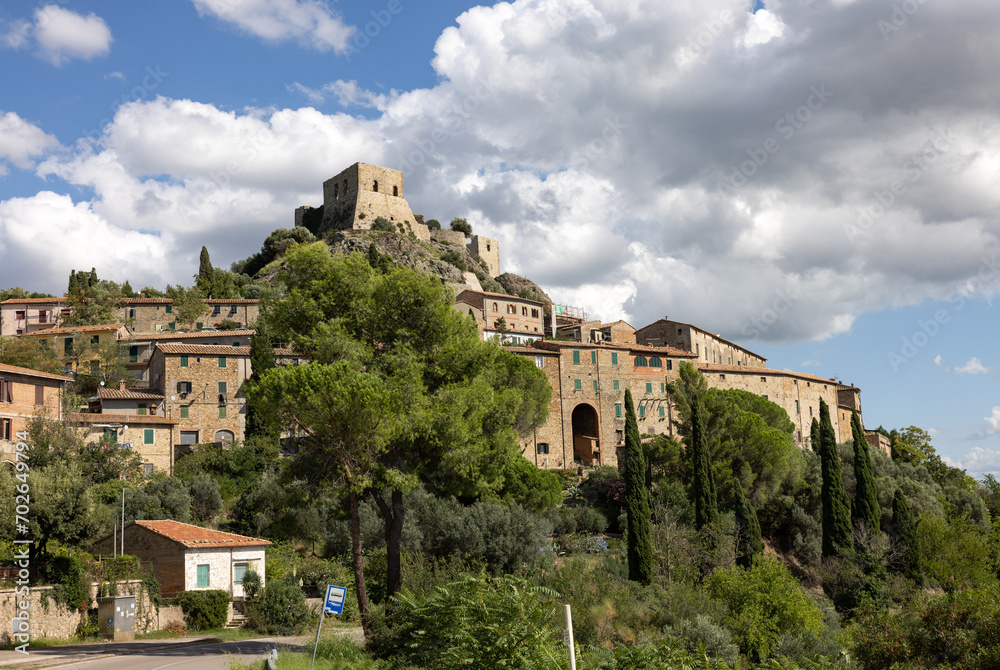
(24, 394)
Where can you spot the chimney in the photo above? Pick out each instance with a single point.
(121, 385)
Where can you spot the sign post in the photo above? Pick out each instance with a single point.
(332, 604)
(569, 639)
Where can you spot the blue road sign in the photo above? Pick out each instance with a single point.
(334, 599)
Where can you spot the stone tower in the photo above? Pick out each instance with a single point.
(362, 193)
(489, 251)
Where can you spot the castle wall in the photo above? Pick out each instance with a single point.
(489, 251)
(449, 236)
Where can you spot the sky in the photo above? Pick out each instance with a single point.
(816, 180)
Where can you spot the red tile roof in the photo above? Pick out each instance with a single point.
(31, 301)
(195, 537)
(198, 334)
(13, 369)
(203, 349)
(702, 330)
(77, 329)
(556, 345)
(127, 394)
(504, 296)
(145, 419)
(745, 369)
(208, 301)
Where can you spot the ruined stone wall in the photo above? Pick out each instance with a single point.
(455, 237)
(362, 193)
(489, 251)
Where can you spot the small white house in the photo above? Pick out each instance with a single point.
(190, 558)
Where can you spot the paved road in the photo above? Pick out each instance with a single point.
(149, 655)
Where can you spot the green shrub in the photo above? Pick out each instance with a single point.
(479, 622)
(456, 258)
(462, 226)
(531, 487)
(433, 224)
(383, 225)
(68, 573)
(251, 585)
(204, 610)
(281, 610)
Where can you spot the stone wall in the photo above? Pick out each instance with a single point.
(489, 251)
(151, 315)
(362, 193)
(15, 416)
(709, 348)
(454, 237)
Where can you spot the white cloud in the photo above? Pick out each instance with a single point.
(63, 35)
(17, 34)
(937, 360)
(20, 141)
(310, 22)
(762, 27)
(973, 367)
(993, 422)
(978, 461)
(347, 93)
(115, 75)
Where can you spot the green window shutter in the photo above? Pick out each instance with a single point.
(147, 436)
(68, 346)
(222, 411)
(642, 411)
(222, 387)
(595, 384)
(141, 409)
(172, 325)
(203, 576)
(670, 364)
(593, 357)
(576, 357)
(663, 410)
(663, 387)
(222, 361)
(95, 339)
(133, 354)
(185, 412)
(184, 361)
(614, 358)
(199, 325)
(649, 387)
(616, 385)
(618, 409)
(111, 436)
(577, 385)
(170, 309)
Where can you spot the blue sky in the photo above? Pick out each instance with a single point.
(814, 179)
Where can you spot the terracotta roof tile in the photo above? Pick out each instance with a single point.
(13, 369)
(716, 367)
(555, 345)
(203, 349)
(77, 329)
(194, 537)
(199, 334)
(120, 418)
(127, 394)
(32, 301)
(702, 330)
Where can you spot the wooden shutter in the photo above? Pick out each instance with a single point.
(39, 395)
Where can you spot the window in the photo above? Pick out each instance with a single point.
(524, 311)
(5, 429)
(796, 406)
(183, 387)
(655, 362)
(534, 313)
(133, 354)
(232, 310)
(663, 387)
(240, 571)
(640, 362)
(199, 325)
(642, 411)
(141, 409)
(172, 325)
(147, 436)
(496, 308)
(222, 387)
(618, 409)
(810, 410)
(110, 436)
(375, 185)
(185, 412)
(68, 346)
(217, 310)
(236, 344)
(577, 385)
(511, 309)
(539, 361)
(595, 384)
(615, 385)
(593, 358)
(203, 576)
(131, 312)
(170, 309)
(19, 315)
(395, 190)
(222, 361)
(722, 376)
(542, 448)
(576, 357)
(763, 379)
(95, 368)
(670, 364)
(663, 410)
(95, 339)
(189, 437)
(222, 411)
(614, 358)
(649, 387)
(795, 381)
(184, 361)
(6, 391)
(39, 395)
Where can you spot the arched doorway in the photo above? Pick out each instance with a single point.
(224, 437)
(586, 435)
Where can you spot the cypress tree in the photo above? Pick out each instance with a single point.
(706, 509)
(837, 536)
(261, 360)
(640, 545)
(906, 531)
(866, 506)
(204, 266)
(814, 435)
(749, 542)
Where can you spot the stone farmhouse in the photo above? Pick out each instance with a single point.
(25, 393)
(22, 316)
(190, 558)
(78, 347)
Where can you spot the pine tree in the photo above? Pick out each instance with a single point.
(837, 535)
(749, 542)
(706, 509)
(866, 506)
(906, 531)
(640, 546)
(814, 435)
